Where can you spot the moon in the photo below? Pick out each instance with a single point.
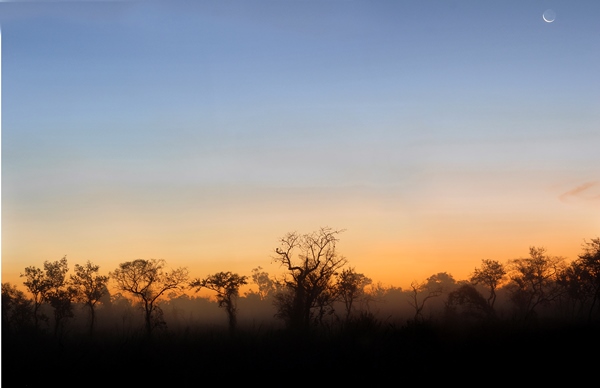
(549, 16)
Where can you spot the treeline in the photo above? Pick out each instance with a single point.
(317, 291)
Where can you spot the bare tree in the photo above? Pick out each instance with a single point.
(227, 286)
(147, 281)
(491, 275)
(434, 286)
(311, 261)
(422, 292)
(89, 288)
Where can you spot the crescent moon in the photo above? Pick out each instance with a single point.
(549, 16)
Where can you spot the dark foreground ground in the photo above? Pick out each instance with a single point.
(411, 354)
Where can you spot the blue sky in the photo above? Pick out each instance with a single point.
(181, 126)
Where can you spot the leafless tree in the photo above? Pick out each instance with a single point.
(148, 281)
(416, 298)
(422, 292)
(311, 260)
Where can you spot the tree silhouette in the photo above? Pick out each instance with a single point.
(58, 292)
(17, 313)
(266, 285)
(227, 286)
(147, 281)
(422, 292)
(467, 303)
(50, 286)
(311, 261)
(590, 261)
(441, 280)
(89, 288)
(534, 280)
(350, 286)
(324, 304)
(582, 278)
(491, 275)
(37, 285)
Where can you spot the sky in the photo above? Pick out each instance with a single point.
(436, 134)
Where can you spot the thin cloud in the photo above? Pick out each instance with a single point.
(584, 191)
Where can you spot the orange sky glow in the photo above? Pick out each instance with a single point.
(436, 134)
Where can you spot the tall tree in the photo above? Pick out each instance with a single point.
(350, 286)
(590, 261)
(579, 289)
(89, 288)
(227, 286)
(420, 293)
(582, 278)
(36, 284)
(148, 281)
(534, 281)
(58, 293)
(311, 260)
(491, 273)
(50, 286)
(17, 313)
